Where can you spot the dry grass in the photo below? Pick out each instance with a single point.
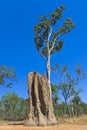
(74, 121)
(63, 124)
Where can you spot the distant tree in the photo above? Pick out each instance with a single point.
(47, 39)
(7, 75)
(76, 104)
(60, 111)
(23, 109)
(54, 93)
(13, 107)
(9, 103)
(1, 111)
(67, 83)
(55, 97)
(83, 108)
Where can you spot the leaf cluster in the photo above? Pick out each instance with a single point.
(7, 73)
(46, 26)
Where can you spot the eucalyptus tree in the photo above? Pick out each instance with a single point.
(67, 84)
(47, 38)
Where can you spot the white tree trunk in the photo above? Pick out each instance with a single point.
(48, 58)
(48, 71)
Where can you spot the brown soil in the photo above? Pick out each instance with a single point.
(59, 127)
(63, 124)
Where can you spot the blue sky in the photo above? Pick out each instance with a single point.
(17, 48)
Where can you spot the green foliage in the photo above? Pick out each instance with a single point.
(83, 108)
(54, 94)
(13, 107)
(60, 110)
(67, 86)
(67, 82)
(6, 74)
(45, 33)
(54, 89)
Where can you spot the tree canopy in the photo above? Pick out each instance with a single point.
(7, 76)
(45, 32)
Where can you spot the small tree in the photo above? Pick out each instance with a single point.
(47, 39)
(6, 74)
(67, 84)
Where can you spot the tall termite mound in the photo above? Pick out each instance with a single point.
(41, 109)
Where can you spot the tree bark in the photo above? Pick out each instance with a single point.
(48, 67)
(48, 71)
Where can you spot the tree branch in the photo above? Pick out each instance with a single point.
(50, 33)
(53, 43)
